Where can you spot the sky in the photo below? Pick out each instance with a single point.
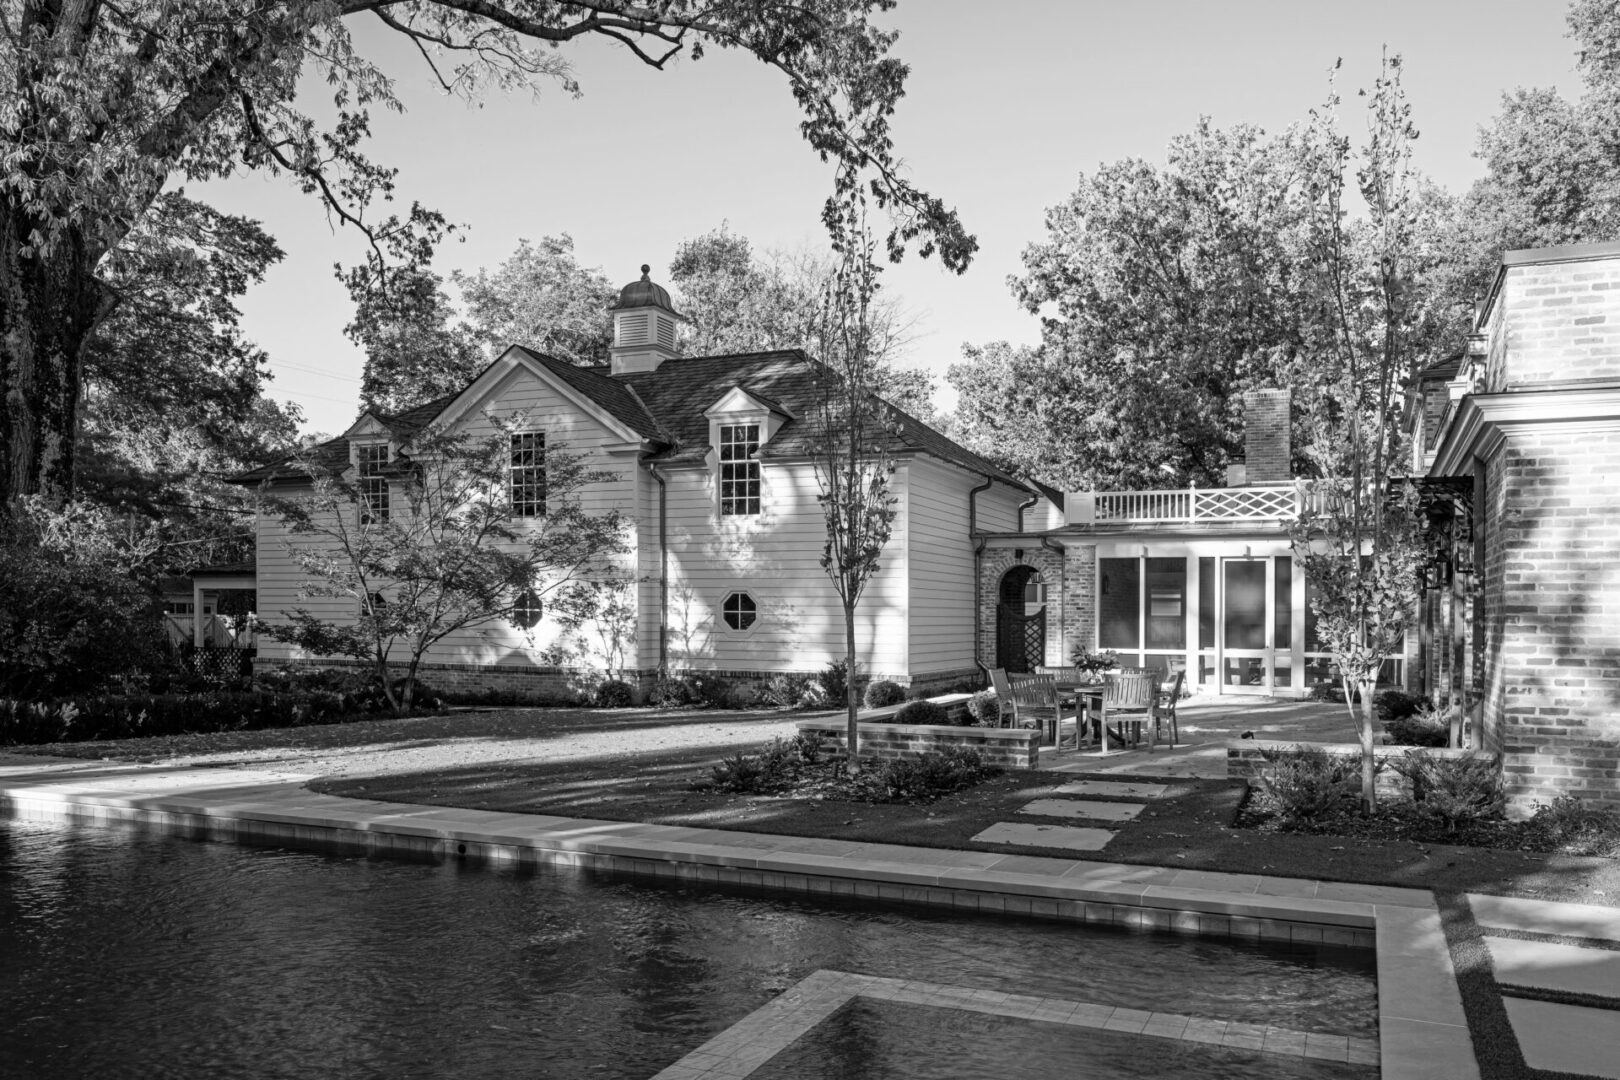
(1006, 106)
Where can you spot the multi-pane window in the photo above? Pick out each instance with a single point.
(528, 474)
(373, 484)
(739, 471)
(739, 611)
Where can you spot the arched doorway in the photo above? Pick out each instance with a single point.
(1021, 619)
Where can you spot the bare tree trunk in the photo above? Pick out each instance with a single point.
(48, 308)
(851, 691)
(1369, 759)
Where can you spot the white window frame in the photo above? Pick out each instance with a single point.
(751, 505)
(372, 485)
(521, 478)
(758, 612)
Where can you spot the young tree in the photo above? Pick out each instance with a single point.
(102, 103)
(852, 429)
(1360, 540)
(447, 555)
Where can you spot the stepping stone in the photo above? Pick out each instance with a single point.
(1566, 1038)
(1551, 966)
(1084, 808)
(1067, 837)
(1111, 787)
(1546, 916)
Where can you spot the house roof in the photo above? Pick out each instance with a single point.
(666, 407)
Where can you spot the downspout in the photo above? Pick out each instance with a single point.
(663, 570)
(1033, 499)
(978, 552)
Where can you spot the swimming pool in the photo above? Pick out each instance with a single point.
(136, 955)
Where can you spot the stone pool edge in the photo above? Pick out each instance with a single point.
(1422, 1029)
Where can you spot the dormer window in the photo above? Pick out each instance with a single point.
(528, 474)
(369, 463)
(739, 469)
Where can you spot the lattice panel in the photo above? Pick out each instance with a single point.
(1245, 503)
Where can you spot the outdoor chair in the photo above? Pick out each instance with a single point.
(1127, 696)
(1167, 694)
(1008, 714)
(1035, 700)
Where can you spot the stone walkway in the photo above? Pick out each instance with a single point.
(1070, 804)
(1557, 967)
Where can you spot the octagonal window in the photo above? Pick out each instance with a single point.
(739, 611)
(526, 610)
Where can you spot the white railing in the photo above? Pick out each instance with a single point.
(1279, 502)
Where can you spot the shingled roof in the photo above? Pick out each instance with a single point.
(666, 407)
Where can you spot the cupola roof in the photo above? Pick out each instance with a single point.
(643, 293)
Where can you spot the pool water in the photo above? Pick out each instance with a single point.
(131, 954)
(913, 1042)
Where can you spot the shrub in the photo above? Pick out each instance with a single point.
(144, 715)
(1568, 826)
(783, 691)
(673, 691)
(922, 712)
(814, 697)
(835, 682)
(810, 746)
(614, 694)
(1305, 783)
(773, 769)
(1452, 790)
(1392, 706)
(1427, 726)
(923, 778)
(985, 709)
(883, 693)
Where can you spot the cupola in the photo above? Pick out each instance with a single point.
(643, 326)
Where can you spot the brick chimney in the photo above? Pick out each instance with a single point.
(1265, 437)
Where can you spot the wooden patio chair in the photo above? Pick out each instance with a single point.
(1166, 695)
(1008, 715)
(1126, 696)
(1035, 700)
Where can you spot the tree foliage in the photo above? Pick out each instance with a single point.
(449, 556)
(1165, 293)
(735, 300)
(103, 103)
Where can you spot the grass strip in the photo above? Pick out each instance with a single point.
(1560, 997)
(1496, 1047)
(1552, 939)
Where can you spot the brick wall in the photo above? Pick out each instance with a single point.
(1265, 436)
(1562, 323)
(1552, 603)
(995, 562)
(1009, 748)
(1080, 606)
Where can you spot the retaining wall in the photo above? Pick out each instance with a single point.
(1010, 748)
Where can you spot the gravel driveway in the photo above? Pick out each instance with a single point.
(455, 740)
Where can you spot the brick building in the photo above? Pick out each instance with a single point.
(1519, 442)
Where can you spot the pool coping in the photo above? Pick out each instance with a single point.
(1423, 1032)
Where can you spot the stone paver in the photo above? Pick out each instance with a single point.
(1083, 808)
(1065, 837)
(1556, 967)
(1546, 916)
(1566, 1038)
(1111, 787)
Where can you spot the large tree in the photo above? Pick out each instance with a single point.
(736, 300)
(1165, 292)
(104, 103)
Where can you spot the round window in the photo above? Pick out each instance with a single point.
(739, 611)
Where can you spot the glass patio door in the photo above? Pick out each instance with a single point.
(1246, 660)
